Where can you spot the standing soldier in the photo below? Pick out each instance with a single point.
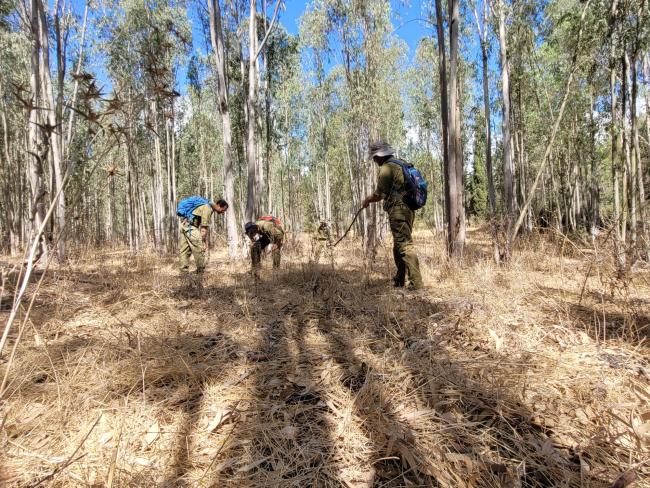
(195, 213)
(264, 231)
(390, 189)
(321, 239)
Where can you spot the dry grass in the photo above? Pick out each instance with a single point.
(321, 375)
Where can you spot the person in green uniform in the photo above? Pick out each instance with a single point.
(390, 182)
(321, 239)
(194, 234)
(263, 232)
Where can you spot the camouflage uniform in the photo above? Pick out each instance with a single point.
(321, 239)
(389, 185)
(191, 241)
(269, 233)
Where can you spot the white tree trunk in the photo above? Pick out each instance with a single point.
(251, 111)
(216, 37)
(508, 164)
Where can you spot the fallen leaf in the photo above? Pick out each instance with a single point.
(153, 432)
(105, 437)
(290, 432)
(143, 461)
(643, 430)
(581, 415)
(498, 341)
(219, 418)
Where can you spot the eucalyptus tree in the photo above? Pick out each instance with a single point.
(255, 47)
(482, 14)
(425, 126)
(144, 44)
(508, 163)
(456, 217)
(222, 82)
(283, 83)
(451, 126)
(360, 35)
(14, 78)
(569, 62)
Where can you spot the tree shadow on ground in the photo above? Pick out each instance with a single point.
(332, 380)
(601, 316)
(442, 391)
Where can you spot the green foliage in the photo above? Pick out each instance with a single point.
(344, 81)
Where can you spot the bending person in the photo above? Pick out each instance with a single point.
(263, 232)
(195, 213)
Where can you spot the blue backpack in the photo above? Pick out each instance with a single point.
(415, 190)
(187, 205)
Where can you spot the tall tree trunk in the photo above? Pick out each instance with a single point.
(251, 114)
(481, 26)
(36, 154)
(12, 181)
(157, 186)
(594, 183)
(216, 37)
(645, 212)
(629, 206)
(444, 114)
(635, 155)
(49, 121)
(616, 143)
(55, 118)
(508, 164)
(131, 202)
(171, 188)
(455, 166)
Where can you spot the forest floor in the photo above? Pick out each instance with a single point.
(532, 375)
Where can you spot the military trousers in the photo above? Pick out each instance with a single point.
(319, 247)
(258, 247)
(401, 219)
(191, 245)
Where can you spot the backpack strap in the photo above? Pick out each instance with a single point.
(403, 165)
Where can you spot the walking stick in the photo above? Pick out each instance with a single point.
(348, 229)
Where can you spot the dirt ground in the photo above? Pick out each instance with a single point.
(532, 375)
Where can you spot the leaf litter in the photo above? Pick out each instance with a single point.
(320, 375)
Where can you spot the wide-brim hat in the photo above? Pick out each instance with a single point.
(380, 149)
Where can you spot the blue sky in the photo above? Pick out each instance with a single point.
(404, 19)
(407, 19)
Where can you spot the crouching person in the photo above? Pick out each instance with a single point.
(263, 232)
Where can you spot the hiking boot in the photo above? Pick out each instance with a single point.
(414, 288)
